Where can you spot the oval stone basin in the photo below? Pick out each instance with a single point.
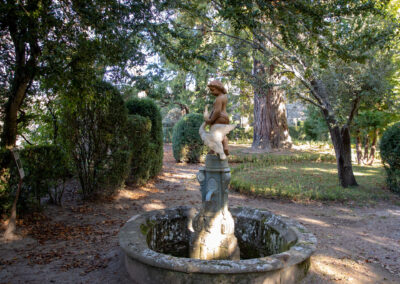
(273, 249)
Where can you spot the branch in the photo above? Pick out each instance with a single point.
(300, 96)
(26, 140)
(181, 105)
(354, 109)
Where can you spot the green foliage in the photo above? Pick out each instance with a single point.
(46, 171)
(186, 141)
(167, 134)
(94, 133)
(241, 135)
(139, 129)
(268, 159)
(67, 39)
(305, 177)
(147, 108)
(8, 179)
(390, 154)
(315, 126)
(297, 132)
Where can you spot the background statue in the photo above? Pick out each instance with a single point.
(218, 120)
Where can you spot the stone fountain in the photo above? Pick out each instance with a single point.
(218, 244)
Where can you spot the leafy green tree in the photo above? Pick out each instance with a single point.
(308, 38)
(315, 126)
(44, 39)
(234, 58)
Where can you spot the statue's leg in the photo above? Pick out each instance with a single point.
(225, 145)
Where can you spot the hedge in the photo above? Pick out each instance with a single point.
(46, 171)
(186, 141)
(147, 161)
(390, 154)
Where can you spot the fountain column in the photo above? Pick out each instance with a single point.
(213, 227)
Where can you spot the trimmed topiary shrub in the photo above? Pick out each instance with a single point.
(95, 134)
(139, 129)
(390, 153)
(147, 108)
(186, 141)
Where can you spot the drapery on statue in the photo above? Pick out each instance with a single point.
(218, 120)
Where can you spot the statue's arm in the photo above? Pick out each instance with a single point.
(216, 111)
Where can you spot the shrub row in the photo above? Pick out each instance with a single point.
(95, 136)
(104, 147)
(46, 172)
(148, 150)
(186, 141)
(390, 154)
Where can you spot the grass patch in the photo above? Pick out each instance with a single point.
(268, 158)
(306, 177)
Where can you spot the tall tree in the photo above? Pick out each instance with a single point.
(271, 129)
(40, 38)
(309, 37)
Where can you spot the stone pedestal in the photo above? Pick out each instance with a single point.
(213, 236)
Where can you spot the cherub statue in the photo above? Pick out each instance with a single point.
(218, 120)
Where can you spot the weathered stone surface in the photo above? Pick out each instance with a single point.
(273, 249)
(213, 228)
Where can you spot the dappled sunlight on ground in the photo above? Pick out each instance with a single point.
(154, 204)
(336, 270)
(130, 194)
(313, 221)
(316, 169)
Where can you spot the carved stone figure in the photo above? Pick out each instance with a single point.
(218, 120)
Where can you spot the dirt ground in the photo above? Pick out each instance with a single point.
(78, 242)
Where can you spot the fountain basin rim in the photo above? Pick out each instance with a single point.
(134, 244)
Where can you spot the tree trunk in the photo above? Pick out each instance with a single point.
(17, 95)
(366, 149)
(342, 145)
(373, 148)
(358, 148)
(27, 50)
(11, 224)
(270, 123)
(340, 137)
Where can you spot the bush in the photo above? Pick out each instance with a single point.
(315, 126)
(46, 171)
(297, 132)
(8, 180)
(95, 134)
(240, 135)
(139, 129)
(390, 154)
(186, 141)
(147, 108)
